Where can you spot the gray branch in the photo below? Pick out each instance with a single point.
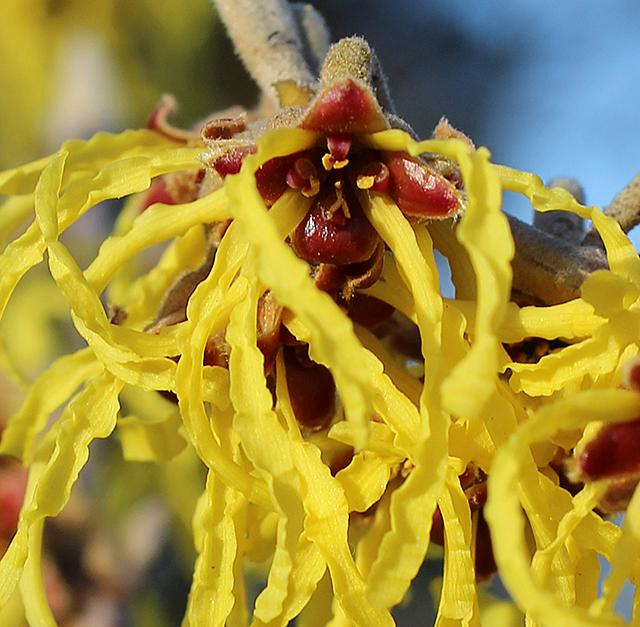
(267, 37)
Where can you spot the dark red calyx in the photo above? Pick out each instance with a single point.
(271, 177)
(157, 192)
(368, 311)
(216, 351)
(632, 376)
(328, 277)
(418, 190)
(618, 495)
(437, 528)
(230, 162)
(614, 451)
(345, 108)
(224, 128)
(268, 329)
(303, 175)
(326, 235)
(312, 390)
(13, 483)
(485, 561)
(374, 176)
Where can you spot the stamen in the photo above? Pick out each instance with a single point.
(374, 176)
(330, 163)
(304, 176)
(339, 146)
(340, 202)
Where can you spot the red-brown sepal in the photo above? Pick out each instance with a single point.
(613, 452)
(345, 108)
(418, 190)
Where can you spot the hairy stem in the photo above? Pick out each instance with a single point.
(268, 38)
(624, 209)
(550, 269)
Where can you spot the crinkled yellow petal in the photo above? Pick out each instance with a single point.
(156, 224)
(207, 312)
(340, 566)
(23, 179)
(503, 507)
(326, 525)
(458, 601)
(308, 568)
(583, 504)
(141, 295)
(369, 546)
(365, 479)
(469, 440)
(592, 357)
(124, 164)
(257, 424)
(239, 615)
(542, 198)
(211, 598)
(573, 319)
(12, 614)
(609, 293)
(485, 233)
(91, 321)
(317, 613)
(381, 438)
(59, 459)
(443, 233)
(621, 254)
(55, 214)
(399, 378)
(392, 289)
(404, 547)
(49, 391)
(418, 271)
(389, 402)
(413, 504)
(36, 607)
(87, 157)
(143, 442)
(624, 560)
(288, 277)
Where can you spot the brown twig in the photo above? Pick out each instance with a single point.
(624, 209)
(268, 38)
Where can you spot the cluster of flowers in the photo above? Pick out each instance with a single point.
(293, 335)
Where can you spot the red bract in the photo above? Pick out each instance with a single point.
(327, 235)
(613, 452)
(418, 190)
(13, 482)
(311, 389)
(347, 108)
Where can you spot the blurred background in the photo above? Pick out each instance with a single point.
(549, 87)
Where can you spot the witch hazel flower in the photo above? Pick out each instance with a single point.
(293, 343)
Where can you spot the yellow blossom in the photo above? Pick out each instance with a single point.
(344, 512)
